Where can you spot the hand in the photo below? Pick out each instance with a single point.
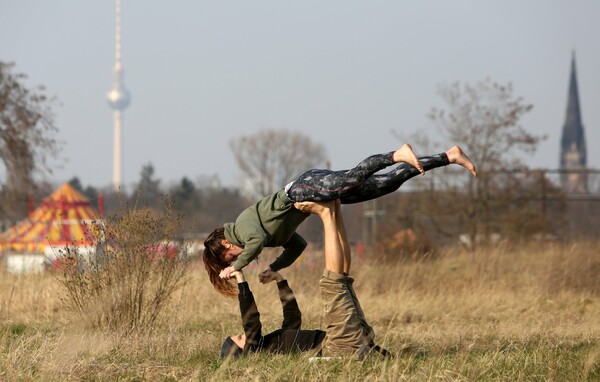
(239, 276)
(226, 273)
(262, 275)
(315, 207)
(268, 275)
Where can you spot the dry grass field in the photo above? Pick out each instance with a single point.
(502, 314)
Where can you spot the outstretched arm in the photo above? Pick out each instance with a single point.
(292, 317)
(248, 310)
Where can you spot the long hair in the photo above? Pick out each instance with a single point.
(213, 248)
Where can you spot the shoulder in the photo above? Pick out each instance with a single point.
(249, 228)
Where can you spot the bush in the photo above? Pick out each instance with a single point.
(135, 271)
(406, 244)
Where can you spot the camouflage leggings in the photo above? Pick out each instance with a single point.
(360, 183)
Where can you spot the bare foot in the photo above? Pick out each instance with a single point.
(317, 208)
(406, 154)
(457, 156)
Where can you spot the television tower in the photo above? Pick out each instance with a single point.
(118, 99)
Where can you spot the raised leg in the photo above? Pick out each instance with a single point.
(330, 215)
(348, 332)
(318, 185)
(343, 239)
(334, 255)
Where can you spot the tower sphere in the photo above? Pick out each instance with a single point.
(118, 98)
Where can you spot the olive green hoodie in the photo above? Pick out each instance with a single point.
(271, 222)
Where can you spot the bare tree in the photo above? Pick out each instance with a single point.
(484, 120)
(26, 133)
(271, 158)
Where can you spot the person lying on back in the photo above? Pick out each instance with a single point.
(290, 338)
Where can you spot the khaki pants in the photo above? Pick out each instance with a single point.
(348, 332)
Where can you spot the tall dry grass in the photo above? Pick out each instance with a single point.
(528, 313)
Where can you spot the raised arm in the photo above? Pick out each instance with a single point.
(248, 310)
(292, 317)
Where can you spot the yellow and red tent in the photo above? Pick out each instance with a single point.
(64, 218)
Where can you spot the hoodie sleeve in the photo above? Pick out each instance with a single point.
(292, 318)
(253, 239)
(292, 250)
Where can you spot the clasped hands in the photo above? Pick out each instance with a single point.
(227, 273)
(264, 277)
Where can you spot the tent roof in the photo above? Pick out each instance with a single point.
(64, 218)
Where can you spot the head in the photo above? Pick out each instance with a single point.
(215, 247)
(233, 346)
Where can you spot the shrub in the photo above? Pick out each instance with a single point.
(130, 279)
(406, 244)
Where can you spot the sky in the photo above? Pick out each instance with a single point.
(351, 75)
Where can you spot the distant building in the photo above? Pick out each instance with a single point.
(573, 156)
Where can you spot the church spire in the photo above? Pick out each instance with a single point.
(573, 154)
(573, 127)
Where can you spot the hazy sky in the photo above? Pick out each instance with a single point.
(346, 73)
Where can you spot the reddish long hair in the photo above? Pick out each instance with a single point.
(213, 248)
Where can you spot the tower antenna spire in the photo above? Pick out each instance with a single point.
(118, 35)
(118, 99)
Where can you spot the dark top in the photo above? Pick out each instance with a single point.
(290, 338)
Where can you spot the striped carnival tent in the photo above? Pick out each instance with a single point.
(64, 218)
